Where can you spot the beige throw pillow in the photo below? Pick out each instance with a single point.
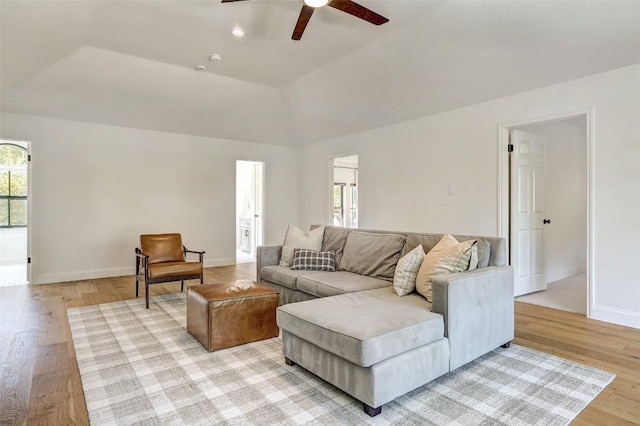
(404, 279)
(297, 238)
(447, 257)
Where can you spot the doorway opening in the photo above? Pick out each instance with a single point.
(344, 192)
(249, 209)
(545, 204)
(15, 203)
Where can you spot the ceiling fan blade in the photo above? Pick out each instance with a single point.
(303, 20)
(353, 8)
(230, 1)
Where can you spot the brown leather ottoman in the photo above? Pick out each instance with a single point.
(230, 314)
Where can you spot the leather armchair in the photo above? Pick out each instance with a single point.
(162, 258)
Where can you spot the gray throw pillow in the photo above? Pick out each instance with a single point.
(373, 255)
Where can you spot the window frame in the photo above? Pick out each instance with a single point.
(9, 168)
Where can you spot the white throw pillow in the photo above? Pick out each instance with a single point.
(404, 279)
(447, 257)
(297, 238)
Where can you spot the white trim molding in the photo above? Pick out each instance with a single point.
(114, 272)
(617, 316)
(503, 183)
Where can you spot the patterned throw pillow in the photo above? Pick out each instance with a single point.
(404, 279)
(447, 257)
(313, 260)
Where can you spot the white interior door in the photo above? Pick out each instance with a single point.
(528, 163)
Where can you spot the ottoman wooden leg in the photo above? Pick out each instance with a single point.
(289, 362)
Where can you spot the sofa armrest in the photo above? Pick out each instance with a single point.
(267, 256)
(477, 307)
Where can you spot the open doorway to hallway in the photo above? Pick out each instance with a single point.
(249, 209)
(549, 213)
(14, 213)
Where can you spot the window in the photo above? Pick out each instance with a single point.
(13, 186)
(338, 204)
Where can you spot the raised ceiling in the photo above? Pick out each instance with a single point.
(130, 63)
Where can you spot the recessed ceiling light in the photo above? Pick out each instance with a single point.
(215, 57)
(316, 3)
(237, 31)
(201, 68)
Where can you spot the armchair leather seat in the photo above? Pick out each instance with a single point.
(171, 269)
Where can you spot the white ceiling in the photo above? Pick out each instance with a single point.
(130, 63)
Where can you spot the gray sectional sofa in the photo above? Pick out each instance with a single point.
(353, 331)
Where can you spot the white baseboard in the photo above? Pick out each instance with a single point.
(567, 272)
(212, 263)
(112, 272)
(13, 261)
(83, 275)
(616, 316)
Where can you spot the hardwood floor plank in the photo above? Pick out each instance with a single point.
(51, 326)
(52, 358)
(16, 371)
(79, 406)
(51, 399)
(594, 416)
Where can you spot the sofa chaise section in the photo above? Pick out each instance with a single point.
(371, 344)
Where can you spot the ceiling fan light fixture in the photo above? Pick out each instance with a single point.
(316, 3)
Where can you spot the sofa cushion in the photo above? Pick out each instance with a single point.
(286, 277)
(366, 327)
(428, 241)
(334, 283)
(374, 255)
(297, 238)
(335, 239)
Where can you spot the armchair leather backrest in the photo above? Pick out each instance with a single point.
(162, 247)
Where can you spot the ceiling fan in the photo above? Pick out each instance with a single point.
(348, 6)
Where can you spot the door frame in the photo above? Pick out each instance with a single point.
(30, 207)
(504, 178)
(329, 180)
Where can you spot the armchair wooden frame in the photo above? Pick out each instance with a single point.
(142, 273)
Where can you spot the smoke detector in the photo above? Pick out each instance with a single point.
(215, 57)
(201, 68)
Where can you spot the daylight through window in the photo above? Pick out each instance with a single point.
(13, 186)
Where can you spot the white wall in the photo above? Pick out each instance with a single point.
(98, 187)
(13, 246)
(405, 171)
(565, 238)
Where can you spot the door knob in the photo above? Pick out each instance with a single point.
(545, 221)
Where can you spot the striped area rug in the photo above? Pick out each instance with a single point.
(140, 366)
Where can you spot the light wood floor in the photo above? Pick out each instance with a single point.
(40, 382)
